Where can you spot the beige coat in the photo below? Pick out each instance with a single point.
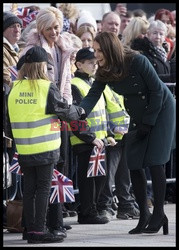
(10, 58)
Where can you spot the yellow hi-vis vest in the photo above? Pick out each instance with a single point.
(33, 131)
(116, 110)
(97, 117)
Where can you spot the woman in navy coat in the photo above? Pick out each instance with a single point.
(151, 107)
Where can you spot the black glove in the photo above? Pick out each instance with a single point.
(76, 113)
(143, 130)
(83, 114)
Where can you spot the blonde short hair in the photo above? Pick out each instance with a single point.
(46, 17)
(136, 27)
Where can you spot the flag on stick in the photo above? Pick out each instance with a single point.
(61, 189)
(15, 167)
(97, 164)
(13, 71)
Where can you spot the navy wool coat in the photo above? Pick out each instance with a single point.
(147, 101)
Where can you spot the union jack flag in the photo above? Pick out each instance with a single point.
(29, 18)
(97, 164)
(61, 189)
(61, 186)
(26, 15)
(13, 71)
(15, 167)
(22, 12)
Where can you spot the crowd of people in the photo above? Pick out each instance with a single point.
(117, 71)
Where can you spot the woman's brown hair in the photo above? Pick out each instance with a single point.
(116, 57)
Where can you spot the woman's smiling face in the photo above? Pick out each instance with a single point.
(52, 33)
(98, 54)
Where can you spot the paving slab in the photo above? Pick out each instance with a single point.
(112, 234)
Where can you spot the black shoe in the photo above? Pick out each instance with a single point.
(105, 213)
(163, 223)
(65, 214)
(88, 219)
(58, 232)
(24, 235)
(132, 213)
(46, 237)
(67, 227)
(72, 213)
(110, 210)
(140, 227)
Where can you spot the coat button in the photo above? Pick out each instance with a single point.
(133, 76)
(135, 84)
(139, 93)
(133, 124)
(143, 97)
(155, 64)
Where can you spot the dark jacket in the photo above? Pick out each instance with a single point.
(148, 101)
(55, 105)
(173, 69)
(147, 48)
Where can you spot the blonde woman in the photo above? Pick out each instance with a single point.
(49, 24)
(137, 28)
(87, 35)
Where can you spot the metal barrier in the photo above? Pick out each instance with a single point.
(172, 87)
(170, 178)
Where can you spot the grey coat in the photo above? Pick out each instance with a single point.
(148, 101)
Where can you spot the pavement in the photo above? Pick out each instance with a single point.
(112, 234)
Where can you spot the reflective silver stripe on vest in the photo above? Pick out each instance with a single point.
(101, 127)
(96, 113)
(38, 139)
(124, 125)
(35, 124)
(116, 114)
